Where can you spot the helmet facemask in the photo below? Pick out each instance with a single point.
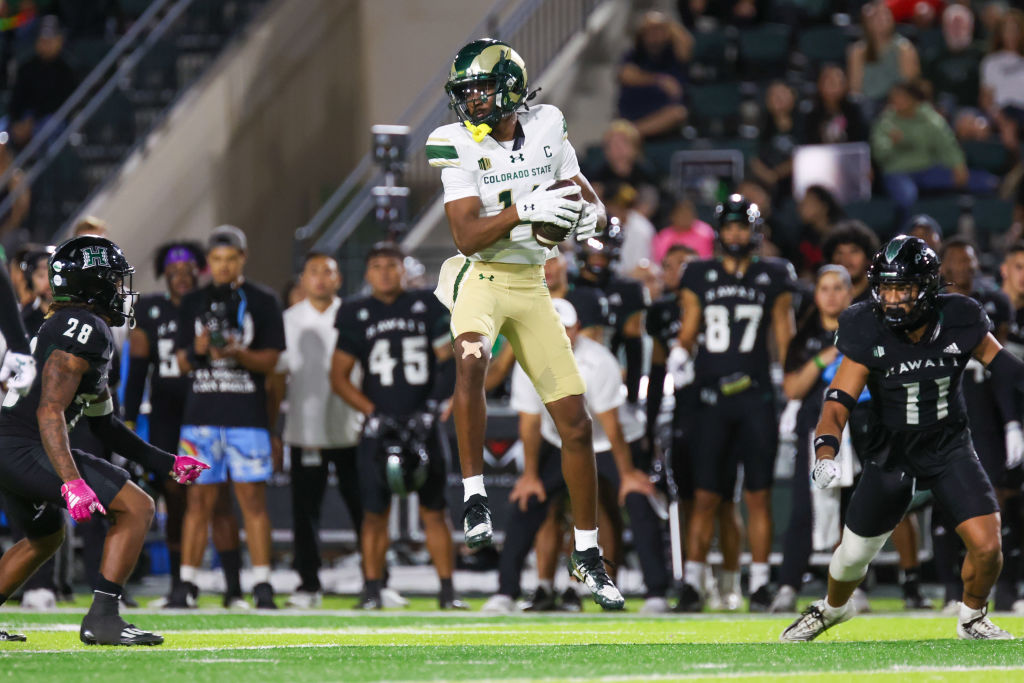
(893, 313)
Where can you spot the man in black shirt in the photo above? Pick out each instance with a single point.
(730, 303)
(39, 470)
(41, 84)
(230, 334)
(910, 346)
(401, 340)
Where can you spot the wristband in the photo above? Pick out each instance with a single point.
(826, 440)
(819, 362)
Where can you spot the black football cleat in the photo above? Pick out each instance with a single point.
(541, 601)
(913, 599)
(370, 602)
(570, 601)
(183, 596)
(588, 568)
(476, 523)
(12, 637)
(263, 596)
(689, 600)
(113, 630)
(761, 599)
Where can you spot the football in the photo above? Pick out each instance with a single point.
(549, 234)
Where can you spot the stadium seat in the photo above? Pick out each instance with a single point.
(764, 51)
(992, 215)
(156, 75)
(987, 156)
(133, 9)
(709, 55)
(714, 108)
(946, 210)
(86, 53)
(822, 44)
(878, 213)
(659, 154)
(110, 130)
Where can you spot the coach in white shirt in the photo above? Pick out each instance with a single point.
(319, 427)
(623, 457)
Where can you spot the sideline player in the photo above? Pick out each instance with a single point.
(910, 345)
(733, 301)
(499, 165)
(91, 283)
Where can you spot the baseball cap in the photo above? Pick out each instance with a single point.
(566, 312)
(227, 236)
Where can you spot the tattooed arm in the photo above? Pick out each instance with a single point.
(62, 374)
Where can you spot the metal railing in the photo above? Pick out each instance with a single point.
(344, 225)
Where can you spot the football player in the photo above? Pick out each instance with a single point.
(400, 340)
(91, 283)
(499, 165)
(910, 345)
(730, 304)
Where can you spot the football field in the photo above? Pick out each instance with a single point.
(214, 645)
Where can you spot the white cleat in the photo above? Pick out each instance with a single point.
(712, 597)
(860, 603)
(784, 601)
(237, 602)
(392, 599)
(814, 621)
(655, 605)
(499, 604)
(305, 600)
(980, 627)
(732, 602)
(40, 599)
(1018, 607)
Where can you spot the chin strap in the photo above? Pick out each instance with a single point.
(479, 132)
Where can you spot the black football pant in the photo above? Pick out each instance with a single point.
(309, 483)
(522, 526)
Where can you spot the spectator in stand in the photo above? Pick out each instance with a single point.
(1002, 78)
(881, 59)
(917, 151)
(623, 162)
(926, 228)
(819, 212)
(955, 71)
(773, 233)
(653, 77)
(833, 116)
(921, 12)
(637, 231)
(773, 166)
(42, 83)
(852, 245)
(11, 221)
(684, 229)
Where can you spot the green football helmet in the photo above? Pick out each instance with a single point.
(477, 68)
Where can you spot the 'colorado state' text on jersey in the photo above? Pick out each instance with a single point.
(501, 174)
(915, 387)
(157, 316)
(394, 343)
(81, 333)
(736, 314)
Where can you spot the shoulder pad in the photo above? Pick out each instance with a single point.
(442, 148)
(960, 311)
(857, 331)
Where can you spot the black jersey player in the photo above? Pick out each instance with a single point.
(910, 346)
(731, 305)
(39, 471)
(400, 339)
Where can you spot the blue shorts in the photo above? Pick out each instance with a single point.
(242, 451)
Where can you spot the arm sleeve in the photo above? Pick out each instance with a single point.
(655, 395)
(11, 324)
(116, 436)
(634, 349)
(458, 184)
(135, 387)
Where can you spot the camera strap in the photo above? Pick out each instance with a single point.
(242, 303)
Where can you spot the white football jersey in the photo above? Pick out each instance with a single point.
(501, 173)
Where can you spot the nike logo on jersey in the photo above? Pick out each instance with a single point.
(952, 348)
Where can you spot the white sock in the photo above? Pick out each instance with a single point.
(760, 573)
(473, 486)
(261, 574)
(547, 585)
(693, 573)
(729, 582)
(187, 573)
(968, 613)
(828, 609)
(585, 539)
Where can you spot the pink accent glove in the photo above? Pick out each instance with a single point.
(187, 469)
(81, 500)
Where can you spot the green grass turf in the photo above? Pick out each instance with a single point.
(319, 645)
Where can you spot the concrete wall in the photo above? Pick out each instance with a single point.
(278, 122)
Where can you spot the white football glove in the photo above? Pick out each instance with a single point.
(826, 473)
(550, 206)
(1014, 444)
(18, 371)
(587, 227)
(680, 366)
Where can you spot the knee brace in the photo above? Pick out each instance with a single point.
(851, 559)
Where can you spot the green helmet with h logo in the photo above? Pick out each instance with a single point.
(480, 67)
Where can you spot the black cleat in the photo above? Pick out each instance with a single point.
(912, 598)
(369, 602)
(183, 596)
(12, 637)
(588, 567)
(128, 601)
(476, 523)
(113, 630)
(542, 601)
(263, 596)
(571, 601)
(761, 599)
(689, 600)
